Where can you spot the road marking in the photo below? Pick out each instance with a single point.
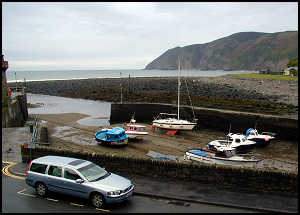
(6, 172)
(53, 200)
(8, 162)
(25, 194)
(21, 192)
(76, 204)
(99, 209)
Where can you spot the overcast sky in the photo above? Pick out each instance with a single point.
(126, 35)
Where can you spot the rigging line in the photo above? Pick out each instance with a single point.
(190, 98)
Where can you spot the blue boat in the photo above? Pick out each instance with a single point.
(114, 136)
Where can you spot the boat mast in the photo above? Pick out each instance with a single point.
(121, 87)
(178, 87)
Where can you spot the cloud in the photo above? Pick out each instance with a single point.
(99, 34)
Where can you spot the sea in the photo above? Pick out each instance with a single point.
(46, 75)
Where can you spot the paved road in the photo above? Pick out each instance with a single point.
(17, 197)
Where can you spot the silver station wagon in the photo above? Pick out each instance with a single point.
(79, 178)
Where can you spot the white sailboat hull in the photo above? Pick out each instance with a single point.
(174, 124)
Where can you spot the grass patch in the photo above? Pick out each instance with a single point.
(266, 76)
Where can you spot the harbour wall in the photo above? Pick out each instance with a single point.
(16, 113)
(221, 120)
(233, 178)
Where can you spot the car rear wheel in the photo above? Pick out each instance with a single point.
(41, 189)
(97, 200)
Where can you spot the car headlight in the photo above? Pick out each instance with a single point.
(114, 193)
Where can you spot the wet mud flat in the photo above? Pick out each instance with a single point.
(67, 134)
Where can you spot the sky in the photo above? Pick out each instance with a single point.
(126, 35)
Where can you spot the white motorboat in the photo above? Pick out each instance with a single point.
(134, 130)
(169, 121)
(238, 142)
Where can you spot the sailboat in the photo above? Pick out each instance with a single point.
(169, 121)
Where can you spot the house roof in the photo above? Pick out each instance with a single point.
(293, 67)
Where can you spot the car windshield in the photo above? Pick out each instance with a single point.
(93, 172)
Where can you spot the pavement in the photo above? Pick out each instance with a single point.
(173, 191)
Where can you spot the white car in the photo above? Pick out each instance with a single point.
(79, 178)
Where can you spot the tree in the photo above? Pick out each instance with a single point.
(293, 62)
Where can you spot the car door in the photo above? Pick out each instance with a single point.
(70, 185)
(54, 179)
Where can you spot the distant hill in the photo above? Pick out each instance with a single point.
(240, 51)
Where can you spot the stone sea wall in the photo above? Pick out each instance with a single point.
(247, 179)
(16, 114)
(276, 97)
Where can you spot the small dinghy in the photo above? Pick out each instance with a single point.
(223, 155)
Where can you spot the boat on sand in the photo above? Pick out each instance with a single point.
(170, 121)
(113, 136)
(223, 155)
(134, 130)
(238, 142)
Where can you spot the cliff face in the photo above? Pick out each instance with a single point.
(240, 51)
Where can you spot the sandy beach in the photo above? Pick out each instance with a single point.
(66, 133)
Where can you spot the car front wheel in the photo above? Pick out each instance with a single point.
(97, 200)
(41, 189)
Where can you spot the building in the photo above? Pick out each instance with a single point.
(14, 111)
(288, 70)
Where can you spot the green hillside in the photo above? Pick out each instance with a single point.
(240, 51)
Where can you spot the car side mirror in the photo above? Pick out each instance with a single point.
(79, 181)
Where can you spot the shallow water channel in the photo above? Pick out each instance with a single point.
(98, 112)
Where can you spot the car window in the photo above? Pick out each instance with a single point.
(54, 171)
(71, 174)
(39, 168)
(93, 172)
